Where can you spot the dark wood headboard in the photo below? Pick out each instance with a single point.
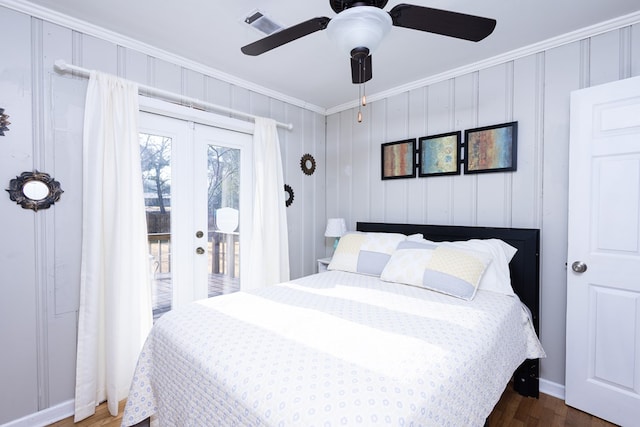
(524, 267)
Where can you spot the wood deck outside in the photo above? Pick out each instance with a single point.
(219, 284)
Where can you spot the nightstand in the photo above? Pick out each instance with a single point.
(323, 263)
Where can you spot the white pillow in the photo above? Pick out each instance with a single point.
(497, 277)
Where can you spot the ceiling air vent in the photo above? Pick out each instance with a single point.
(262, 23)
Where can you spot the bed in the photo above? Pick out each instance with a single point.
(345, 347)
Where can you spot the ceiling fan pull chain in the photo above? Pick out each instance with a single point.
(361, 94)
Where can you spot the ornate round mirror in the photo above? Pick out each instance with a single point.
(308, 164)
(34, 190)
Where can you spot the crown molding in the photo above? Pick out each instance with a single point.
(594, 30)
(130, 43)
(93, 30)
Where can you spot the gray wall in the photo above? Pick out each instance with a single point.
(39, 253)
(533, 90)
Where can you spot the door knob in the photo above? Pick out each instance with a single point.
(579, 267)
(199, 251)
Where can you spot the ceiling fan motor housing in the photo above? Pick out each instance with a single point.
(359, 27)
(340, 5)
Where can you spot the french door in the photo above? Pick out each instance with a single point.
(197, 183)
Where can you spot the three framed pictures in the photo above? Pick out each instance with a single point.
(486, 149)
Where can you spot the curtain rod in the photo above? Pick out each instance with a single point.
(63, 67)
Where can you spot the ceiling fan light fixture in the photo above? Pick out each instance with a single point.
(362, 26)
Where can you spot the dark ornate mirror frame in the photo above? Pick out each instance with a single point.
(308, 164)
(4, 122)
(16, 190)
(289, 191)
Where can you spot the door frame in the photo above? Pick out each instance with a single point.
(197, 221)
(602, 303)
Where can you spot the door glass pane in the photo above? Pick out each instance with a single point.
(223, 219)
(155, 156)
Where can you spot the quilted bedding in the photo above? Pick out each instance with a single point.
(331, 349)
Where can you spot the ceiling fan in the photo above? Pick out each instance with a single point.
(360, 26)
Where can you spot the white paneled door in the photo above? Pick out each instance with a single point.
(603, 274)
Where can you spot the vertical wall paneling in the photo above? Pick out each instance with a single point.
(464, 117)
(193, 84)
(240, 99)
(363, 170)
(317, 130)
(43, 221)
(397, 129)
(605, 58)
(301, 144)
(625, 53)
(417, 124)
(63, 124)
(41, 266)
(345, 162)
(563, 73)
(634, 48)
(331, 179)
(135, 66)
(217, 92)
(533, 90)
(18, 305)
(526, 109)
(376, 113)
(440, 111)
(98, 54)
(167, 76)
(492, 109)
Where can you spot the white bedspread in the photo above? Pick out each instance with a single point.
(331, 349)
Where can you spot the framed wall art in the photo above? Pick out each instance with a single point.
(491, 148)
(439, 154)
(399, 159)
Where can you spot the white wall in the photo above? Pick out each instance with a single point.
(533, 90)
(39, 252)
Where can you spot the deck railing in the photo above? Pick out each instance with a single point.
(223, 249)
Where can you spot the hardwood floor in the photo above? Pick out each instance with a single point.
(512, 410)
(547, 411)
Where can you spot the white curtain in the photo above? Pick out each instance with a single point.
(269, 247)
(115, 313)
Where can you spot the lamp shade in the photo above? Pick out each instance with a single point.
(336, 227)
(362, 26)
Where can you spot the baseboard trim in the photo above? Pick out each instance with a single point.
(65, 409)
(552, 389)
(44, 417)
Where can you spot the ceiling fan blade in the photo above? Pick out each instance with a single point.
(285, 36)
(361, 74)
(444, 22)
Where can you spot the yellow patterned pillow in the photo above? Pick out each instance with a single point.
(365, 253)
(444, 269)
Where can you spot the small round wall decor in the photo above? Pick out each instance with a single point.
(308, 164)
(289, 197)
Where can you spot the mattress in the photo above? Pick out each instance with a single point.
(331, 349)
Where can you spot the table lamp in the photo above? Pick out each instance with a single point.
(336, 227)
